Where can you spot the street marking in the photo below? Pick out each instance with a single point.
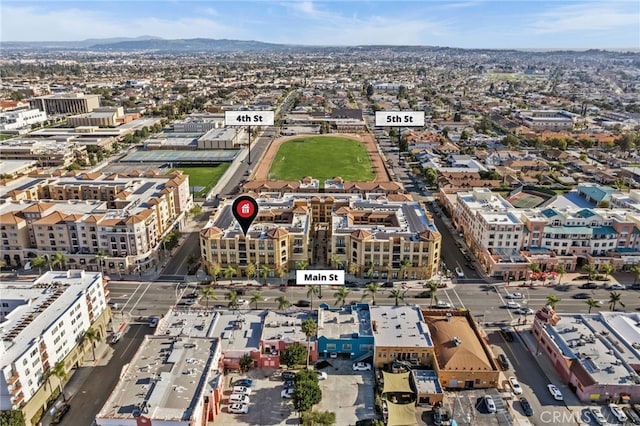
(458, 296)
(139, 298)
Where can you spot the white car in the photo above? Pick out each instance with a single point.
(288, 393)
(514, 296)
(459, 272)
(153, 322)
(243, 302)
(555, 392)
(597, 415)
(442, 305)
(322, 375)
(512, 305)
(617, 287)
(239, 408)
(618, 413)
(524, 311)
(361, 366)
(238, 398)
(517, 389)
(491, 406)
(242, 390)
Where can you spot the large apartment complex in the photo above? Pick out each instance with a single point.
(42, 324)
(365, 235)
(121, 218)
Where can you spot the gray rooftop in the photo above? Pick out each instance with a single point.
(426, 382)
(344, 323)
(401, 326)
(285, 327)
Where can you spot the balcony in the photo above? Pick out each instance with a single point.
(13, 379)
(17, 400)
(15, 388)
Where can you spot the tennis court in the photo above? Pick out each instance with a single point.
(524, 200)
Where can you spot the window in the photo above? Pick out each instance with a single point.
(331, 346)
(346, 347)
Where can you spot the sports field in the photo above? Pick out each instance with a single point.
(322, 158)
(203, 178)
(523, 200)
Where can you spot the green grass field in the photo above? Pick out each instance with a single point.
(205, 177)
(322, 158)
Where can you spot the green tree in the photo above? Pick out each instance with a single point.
(233, 299)
(561, 270)
(283, 303)
(352, 268)
(250, 270)
(256, 297)
(552, 300)
(195, 210)
(335, 260)
(341, 295)
(371, 289)
(59, 370)
(208, 293)
(59, 259)
(265, 273)
(171, 240)
(614, 299)
(246, 362)
(39, 262)
(404, 265)
(293, 354)
(229, 272)
(430, 176)
(307, 394)
(592, 303)
(433, 288)
(100, 256)
(12, 418)
(214, 270)
(608, 270)
(396, 293)
(591, 270)
(636, 271)
(370, 272)
(302, 265)
(314, 290)
(319, 418)
(309, 328)
(534, 268)
(93, 336)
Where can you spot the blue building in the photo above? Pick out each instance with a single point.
(345, 332)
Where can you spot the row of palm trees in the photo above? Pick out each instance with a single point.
(591, 270)
(614, 300)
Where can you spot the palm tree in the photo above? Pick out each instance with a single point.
(561, 270)
(280, 272)
(60, 372)
(309, 328)
(370, 273)
(372, 289)
(404, 265)
(39, 262)
(341, 295)
(335, 259)
(534, 268)
(92, 337)
(592, 303)
(59, 259)
(233, 299)
(352, 268)
(250, 270)
(396, 293)
(283, 303)
(608, 270)
(208, 293)
(265, 273)
(591, 270)
(100, 255)
(614, 299)
(433, 288)
(636, 270)
(256, 297)
(214, 271)
(552, 299)
(314, 290)
(229, 272)
(302, 265)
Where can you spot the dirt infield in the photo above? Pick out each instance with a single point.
(261, 171)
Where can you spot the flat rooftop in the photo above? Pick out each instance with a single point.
(239, 331)
(344, 323)
(285, 326)
(401, 326)
(165, 380)
(426, 381)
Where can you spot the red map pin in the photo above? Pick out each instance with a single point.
(245, 210)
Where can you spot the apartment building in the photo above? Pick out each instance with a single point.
(46, 152)
(120, 217)
(65, 103)
(365, 235)
(15, 120)
(43, 323)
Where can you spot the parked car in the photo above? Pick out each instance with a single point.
(247, 383)
(555, 392)
(303, 304)
(597, 415)
(442, 305)
(526, 407)
(60, 413)
(459, 272)
(632, 415)
(512, 305)
(238, 398)
(244, 390)
(524, 311)
(239, 408)
(491, 406)
(514, 296)
(581, 296)
(153, 322)
(617, 287)
(116, 337)
(504, 363)
(388, 284)
(289, 384)
(361, 366)
(515, 385)
(289, 375)
(288, 393)
(618, 413)
(507, 334)
(322, 375)
(589, 286)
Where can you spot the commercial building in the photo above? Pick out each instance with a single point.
(65, 103)
(115, 219)
(597, 355)
(547, 119)
(199, 123)
(46, 152)
(366, 235)
(19, 119)
(345, 332)
(43, 324)
(102, 117)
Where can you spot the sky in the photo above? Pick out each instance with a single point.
(504, 24)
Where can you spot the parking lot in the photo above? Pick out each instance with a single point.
(349, 394)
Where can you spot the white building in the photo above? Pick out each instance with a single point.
(42, 323)
(15, 120)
